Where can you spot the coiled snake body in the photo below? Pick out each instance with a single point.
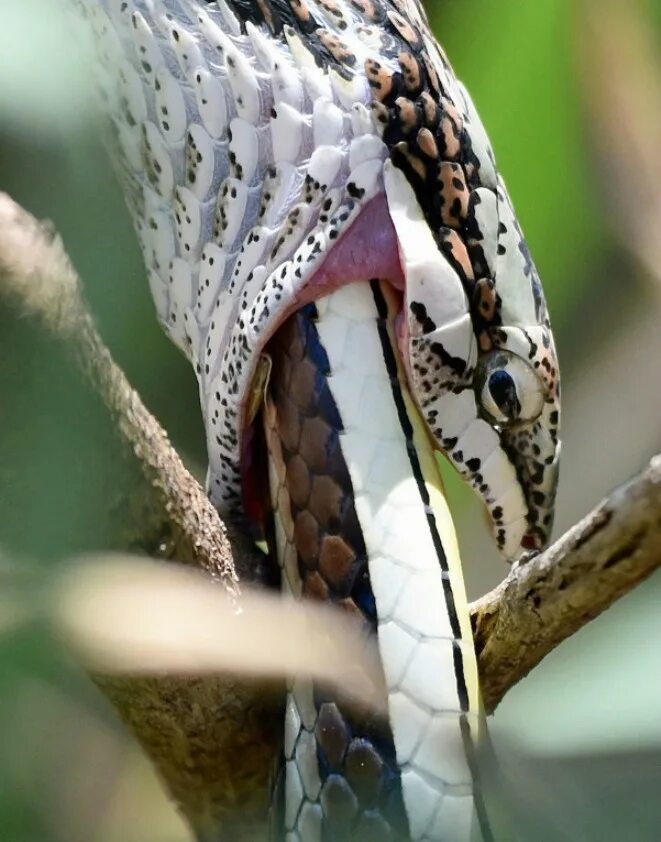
(313, 188)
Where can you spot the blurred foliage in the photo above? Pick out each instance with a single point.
(67, 772)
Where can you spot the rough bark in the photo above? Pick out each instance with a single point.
(544, 601)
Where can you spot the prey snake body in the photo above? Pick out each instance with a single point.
(278, 156)
(360, 522)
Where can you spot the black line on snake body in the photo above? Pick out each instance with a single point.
(407, 428)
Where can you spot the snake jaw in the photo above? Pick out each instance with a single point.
(453, 327)
(250, 165)
(535, 456)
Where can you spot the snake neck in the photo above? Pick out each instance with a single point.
(360, 520)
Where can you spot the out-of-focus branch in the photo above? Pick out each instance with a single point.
(212, 739)
(620, 72)
(37, 273)
(544, 601)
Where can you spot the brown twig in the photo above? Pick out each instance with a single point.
(211, 739)
(545, 601)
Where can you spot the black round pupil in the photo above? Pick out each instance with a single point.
(503, 391)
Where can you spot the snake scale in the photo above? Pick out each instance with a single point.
(328, 240)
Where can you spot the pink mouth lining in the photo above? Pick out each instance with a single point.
(368, 249)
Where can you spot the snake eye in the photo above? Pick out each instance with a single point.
(502, 391)
(508, 389)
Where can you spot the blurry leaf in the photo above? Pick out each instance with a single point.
(129, 615)
(53, 785)
(139, 810)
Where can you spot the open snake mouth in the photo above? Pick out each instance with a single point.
(350, 260)
(350, 422)
(466, 398)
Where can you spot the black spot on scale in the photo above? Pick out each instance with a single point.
(537, 473)
(533, 345)
(354, 191)
(420, 312)
(456, 364)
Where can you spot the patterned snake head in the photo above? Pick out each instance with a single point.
(477, 339)
(274, 150)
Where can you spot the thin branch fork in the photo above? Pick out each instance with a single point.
(545, 601)
(210, 737)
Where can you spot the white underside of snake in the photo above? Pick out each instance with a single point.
(280, 152)
(427, 655)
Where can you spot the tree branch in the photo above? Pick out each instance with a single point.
(544, 601)
(36, 272)
(211, 739)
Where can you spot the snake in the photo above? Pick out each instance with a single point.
(329, 241)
